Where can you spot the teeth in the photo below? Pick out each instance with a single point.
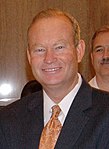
(51, 69)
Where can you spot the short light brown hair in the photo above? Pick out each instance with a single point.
(100, 30)
(57, 13)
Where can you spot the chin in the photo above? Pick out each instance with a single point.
(53, 82)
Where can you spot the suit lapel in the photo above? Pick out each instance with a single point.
(76, 118)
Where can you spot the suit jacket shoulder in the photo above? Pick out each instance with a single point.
(21, 123)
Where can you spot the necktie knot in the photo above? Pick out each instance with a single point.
(51, 131)
(56, 111)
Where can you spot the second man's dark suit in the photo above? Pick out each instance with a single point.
(86, 125)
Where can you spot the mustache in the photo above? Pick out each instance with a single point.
(105, 60)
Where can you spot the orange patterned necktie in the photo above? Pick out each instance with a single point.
(51, 131)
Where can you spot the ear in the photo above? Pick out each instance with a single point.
(28, 56)
(80, 50)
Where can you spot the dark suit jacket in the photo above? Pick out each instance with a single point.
(86, 125)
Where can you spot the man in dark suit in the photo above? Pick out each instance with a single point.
(54, 51)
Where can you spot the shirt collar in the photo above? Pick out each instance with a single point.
(93, 82)
(64, 104)
(68, 99)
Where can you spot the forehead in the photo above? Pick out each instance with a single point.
(48, 31)
(101, 39)
(51, 23)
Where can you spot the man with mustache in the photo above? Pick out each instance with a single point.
(100, 58)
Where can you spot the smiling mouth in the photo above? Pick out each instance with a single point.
(51, 69)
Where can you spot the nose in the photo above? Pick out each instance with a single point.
(50, 56)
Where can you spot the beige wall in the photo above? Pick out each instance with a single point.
(15, 17)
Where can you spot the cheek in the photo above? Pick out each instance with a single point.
(71, 55)
(96, 62)
(96, 59)
(71, 59)
(35, 63)
(36, 67)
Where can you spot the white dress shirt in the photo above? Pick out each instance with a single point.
(64, 104)
(93, 82)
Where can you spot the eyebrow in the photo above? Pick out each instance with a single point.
(62, 41)
(99, 46)
(34, 45)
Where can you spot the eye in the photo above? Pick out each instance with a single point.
(59, 47)
(100, 49)
(38, 50)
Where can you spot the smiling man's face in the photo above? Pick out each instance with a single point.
(52, 54)
(100, 54)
